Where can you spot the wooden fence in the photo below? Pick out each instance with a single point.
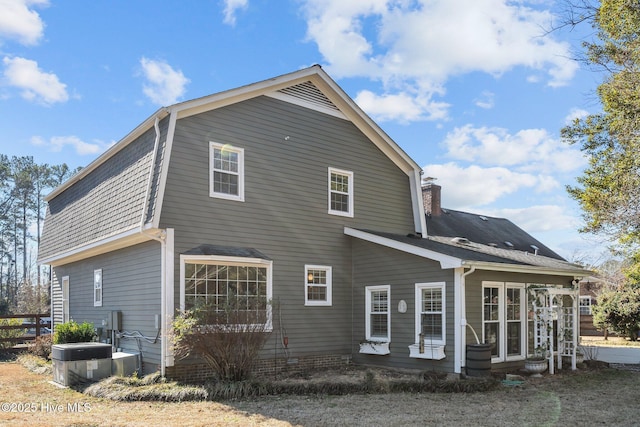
(32, 325)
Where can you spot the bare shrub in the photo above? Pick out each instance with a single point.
(228, 338)
(41, 346)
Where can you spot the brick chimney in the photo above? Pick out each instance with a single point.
(431, 199)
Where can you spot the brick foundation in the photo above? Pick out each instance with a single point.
(200, 372)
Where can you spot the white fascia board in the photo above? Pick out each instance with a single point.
(232, 96)
(227, 259)
(116, 241)
(445, 261)
(527, 269)
(132, 136)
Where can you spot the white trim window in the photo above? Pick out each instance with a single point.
(430, 312)
(585, 304)
(65, 299)
(378, 314)
(504, 320)
(430, 328)
(227, 284)
(317, 289)
(226, 166)
(340, 192)
(97, 288)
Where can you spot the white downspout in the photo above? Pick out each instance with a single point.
(463, 320)
(160, 237)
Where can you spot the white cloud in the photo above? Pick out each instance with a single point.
(486, 100)
(421, 44)
(401, 107)
(531, 150)
(230, 9)
(18, 21)
(36, 85)
(575, 113)
(539, 218)
(164, 85)
(58, 143)
(465, 187)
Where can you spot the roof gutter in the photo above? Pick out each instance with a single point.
(528, 269)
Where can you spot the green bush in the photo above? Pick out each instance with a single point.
(619, 310)
(71, 332)
(10, 333)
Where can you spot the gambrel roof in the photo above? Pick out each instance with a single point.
(117, 199)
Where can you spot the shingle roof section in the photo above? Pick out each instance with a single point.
(485, 230)
(475, 252)
(108, 201)
(233, 251)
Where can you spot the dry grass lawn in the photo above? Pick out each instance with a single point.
(586, 398)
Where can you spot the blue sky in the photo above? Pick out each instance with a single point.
(476, 91)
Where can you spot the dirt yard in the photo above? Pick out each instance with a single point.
(602, 397)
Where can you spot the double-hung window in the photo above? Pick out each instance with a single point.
(231, 291)
(378, 318)
(97, 288)
(317, 285)
(340, 192)
(431, 313)
(226, 165)
(430, 321)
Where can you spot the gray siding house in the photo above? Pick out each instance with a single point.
(283, 191)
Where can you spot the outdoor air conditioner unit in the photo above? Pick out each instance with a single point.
(124, 364)
(78, 363)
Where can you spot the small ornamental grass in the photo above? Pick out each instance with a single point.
(35, 363)
(149, 388)
(154, 388)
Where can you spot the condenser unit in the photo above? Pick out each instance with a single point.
(124, 364)
(78, 363)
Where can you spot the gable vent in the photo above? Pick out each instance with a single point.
(308, 92)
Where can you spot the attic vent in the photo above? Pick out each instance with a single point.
(484, 218)
(508, 244)
(535, 249)
(308, 92)
(461, 240)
